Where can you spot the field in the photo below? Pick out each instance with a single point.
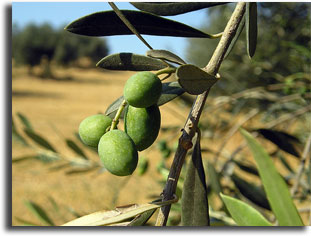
(55, 108)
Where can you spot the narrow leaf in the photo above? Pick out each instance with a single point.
(213, 178)
(170, 91)
(118, 215)
(39, 139)
(131, 62)
(142, 219)
(236, 37)
(251, 27)
(251, 192)
(107, 23)
(39, 212)
(16, 136)
(247, 168)
(173, 8)
(282, 139)
(73, 146)
(165, 55)
(26, 222)
(194, 195)
(113, 107)
(243, 214)
(80, 170)
(275, 187)
(24, 120)
(23, 158)
(194, 80)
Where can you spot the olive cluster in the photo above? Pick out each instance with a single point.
(117, 149)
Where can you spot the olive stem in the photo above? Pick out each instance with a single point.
(167, 70)
(118, 114)
(185, 140)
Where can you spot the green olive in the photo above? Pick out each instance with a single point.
(92, 128)
(118, 153)
(142, 89)
(142, 125)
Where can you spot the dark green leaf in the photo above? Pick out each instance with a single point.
(71, 144)
(282, 139)
(236, 36)
(131, 62)
(251, 27)
(165, 55)
(39, 212)
(39, 140)
(194, 195)
(80, 140)
(247, 168)
(243, 214)
(142, 219)
(251, 192)
(113, 107)
(170, 91)
(24, 120)
(275, 187)
(107, 23)
(23, 158)
(194, 80)
(142, 165)
(173, 8)
(285, 163)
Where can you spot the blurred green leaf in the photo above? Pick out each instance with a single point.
(39, 139)
(26, 222)
(285, 163)
(282, 139)
(80, 170)
(213, 178)
(247, 168)
(251, 27)
(84, 145)
(236, 37)
(243, 214)
(107, 23)
(142, 165)
(276, 189)
(252, 192)
(173, 8)
(16, 136)
(23, 158)
(131, 62)
(194, 194)
(165, 55)
(24, 120)
(73, 146)
(39, 212)
(194, 80)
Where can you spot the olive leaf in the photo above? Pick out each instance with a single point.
(107, 23)
(282, 139)
(142, 219)
(120, 214)
(39, 212)
(24, 120)
(194, 195)
(39, 139)
(247, 168)
(73, 146)
(251, 27)
(194, 80)
(253, 193)
(165, 55)
(173, 8)
(275, 187)
(131, 62)
(236, 37)
(243, 214)
(16, 136)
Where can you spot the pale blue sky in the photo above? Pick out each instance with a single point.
(61, 13)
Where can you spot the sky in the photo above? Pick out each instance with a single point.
(59, 14)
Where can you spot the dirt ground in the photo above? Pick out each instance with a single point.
(55, 109)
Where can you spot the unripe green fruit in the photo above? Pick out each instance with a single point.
(92, 128)
(118, 153)
(142, 89)
(142, 125)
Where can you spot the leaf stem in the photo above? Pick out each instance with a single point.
(185, 141)
(118, 114)
(167, 70)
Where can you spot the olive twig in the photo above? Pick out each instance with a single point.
(167, 70)
(118, 114)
